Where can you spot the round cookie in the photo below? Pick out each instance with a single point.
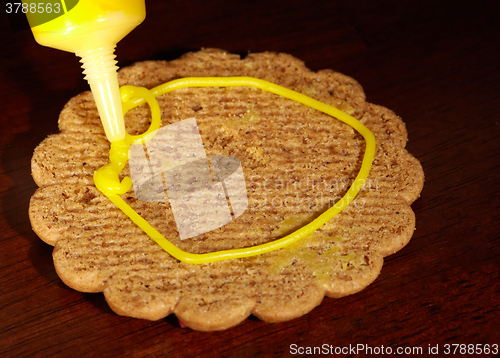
(297, 162)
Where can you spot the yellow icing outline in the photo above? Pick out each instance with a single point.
(106, 178)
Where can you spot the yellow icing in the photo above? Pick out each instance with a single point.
(107, 177)
(307, 252)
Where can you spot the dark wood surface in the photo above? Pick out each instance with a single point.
(435, 63)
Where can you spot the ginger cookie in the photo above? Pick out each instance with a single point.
(296, 163)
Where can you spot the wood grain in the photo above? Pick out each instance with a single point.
(435, 63)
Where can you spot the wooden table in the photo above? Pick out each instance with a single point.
(435, 63)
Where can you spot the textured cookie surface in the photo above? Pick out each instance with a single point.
(297, 162)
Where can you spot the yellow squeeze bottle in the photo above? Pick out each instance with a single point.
(91, 29)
